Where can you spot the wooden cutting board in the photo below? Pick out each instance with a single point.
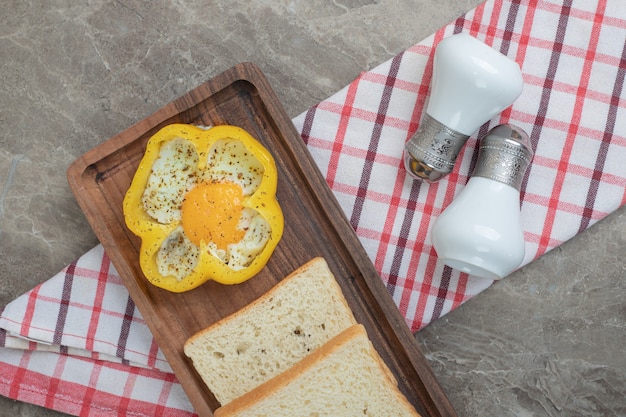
(314, 226)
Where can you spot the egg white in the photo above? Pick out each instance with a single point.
(229, 160)
(241, 254)
(178, 256)
(173, 173)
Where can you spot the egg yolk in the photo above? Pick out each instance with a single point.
(211, 212)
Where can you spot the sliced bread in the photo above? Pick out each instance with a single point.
(267, 337)
(345, 377)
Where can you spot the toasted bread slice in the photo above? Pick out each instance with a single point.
(344, 377)
(267, 337)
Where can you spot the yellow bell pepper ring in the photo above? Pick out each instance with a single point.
(203, 202)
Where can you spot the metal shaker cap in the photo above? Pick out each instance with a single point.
(430, 154)
(504, 155)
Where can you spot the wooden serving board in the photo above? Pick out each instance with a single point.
(314, 226)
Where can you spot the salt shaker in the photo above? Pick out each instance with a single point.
(480, 231)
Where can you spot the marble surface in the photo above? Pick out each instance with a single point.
(547, 341)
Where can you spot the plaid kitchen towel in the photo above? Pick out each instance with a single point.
(573, 58)
(77, 344)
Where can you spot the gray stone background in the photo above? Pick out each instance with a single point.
(547, 341)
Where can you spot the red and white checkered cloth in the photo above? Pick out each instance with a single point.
(77, 344)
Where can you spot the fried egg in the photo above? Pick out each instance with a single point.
(208, 204)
